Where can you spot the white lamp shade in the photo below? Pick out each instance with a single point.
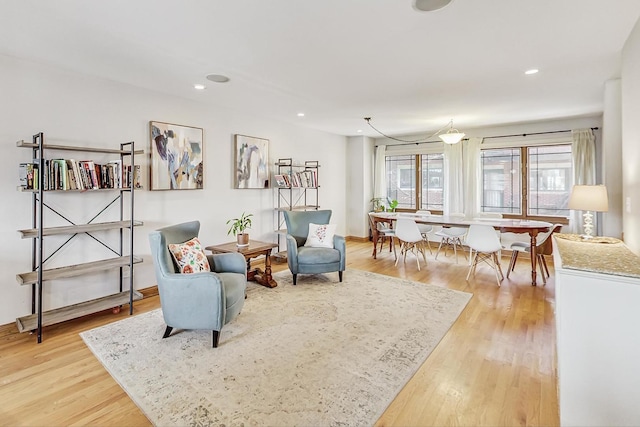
(589, 198)
(452, 137)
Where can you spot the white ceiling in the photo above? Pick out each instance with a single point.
(339, 61)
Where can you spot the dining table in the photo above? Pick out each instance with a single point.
(504, 225)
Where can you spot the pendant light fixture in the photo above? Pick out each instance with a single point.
(452, 136)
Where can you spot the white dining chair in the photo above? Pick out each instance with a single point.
(482, 239)
(425, 229)
(452, 237)
(408, 234)
(489, 215)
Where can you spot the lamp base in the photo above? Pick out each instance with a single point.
(587, 226)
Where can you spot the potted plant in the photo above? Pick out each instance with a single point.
(393, 204)
(378, 204)
(238, 227)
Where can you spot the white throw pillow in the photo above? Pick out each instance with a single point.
(321, 235)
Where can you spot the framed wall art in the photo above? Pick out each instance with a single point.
(251, 162)
(177, 160)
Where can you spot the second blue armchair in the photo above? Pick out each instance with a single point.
(307, 259)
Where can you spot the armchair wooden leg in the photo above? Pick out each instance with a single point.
(340, 276)
(216, 338)
(295, 276)
(167, 331)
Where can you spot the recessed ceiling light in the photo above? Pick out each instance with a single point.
(300, 114)
(531, 71)
(218, 78)
(199, 86)
(359, 131)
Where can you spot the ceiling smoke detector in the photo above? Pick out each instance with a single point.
(429, 5)
(218, 78)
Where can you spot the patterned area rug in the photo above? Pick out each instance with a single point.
(321, 353)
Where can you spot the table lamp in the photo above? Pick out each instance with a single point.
(589, 198)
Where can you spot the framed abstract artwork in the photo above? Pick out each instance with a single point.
(251, 162)
(177, 161)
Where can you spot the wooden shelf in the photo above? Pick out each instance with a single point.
(23, 189)
(75, 270)
(73, 229)
(25, 144)
(299, 208)
(51, 317)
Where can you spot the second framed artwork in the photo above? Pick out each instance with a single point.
(251, 162)
(177, 160)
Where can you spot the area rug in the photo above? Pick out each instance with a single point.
(321, 353)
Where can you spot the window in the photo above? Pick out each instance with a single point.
(411, 189)
(401, 180)
(542, 173)
(432, 178)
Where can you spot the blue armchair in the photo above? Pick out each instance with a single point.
(204, 300)
(310, 260)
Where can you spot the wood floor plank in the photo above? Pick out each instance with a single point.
(495, 367)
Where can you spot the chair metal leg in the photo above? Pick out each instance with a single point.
(393, 242)
(216, 338)
(541, 265)
(544, 262)
(512, 262)
(167, 331)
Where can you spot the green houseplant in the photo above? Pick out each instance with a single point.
(238, 227)
(393, 204)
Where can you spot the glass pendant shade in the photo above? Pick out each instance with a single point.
(452, 136)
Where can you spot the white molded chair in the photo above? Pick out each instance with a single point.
(384, 233)
(543, 247)
(490, 215)
(483, 240)
(452, 236)
(425, 229)
(408, 234)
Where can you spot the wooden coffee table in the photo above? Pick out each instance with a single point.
(252, 250)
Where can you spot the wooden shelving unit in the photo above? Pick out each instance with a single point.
(295, 197)
(40, 274)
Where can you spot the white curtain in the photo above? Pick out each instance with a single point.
(472, 177)
(453, 179)
(380, 173)
(583, 150)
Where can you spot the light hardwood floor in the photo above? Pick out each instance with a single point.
(495, 367)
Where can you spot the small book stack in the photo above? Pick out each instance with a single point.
(303, 179)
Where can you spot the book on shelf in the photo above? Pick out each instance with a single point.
(281, 181)
(27, 175)
(71, 174)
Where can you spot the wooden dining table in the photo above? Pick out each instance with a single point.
(503, 225)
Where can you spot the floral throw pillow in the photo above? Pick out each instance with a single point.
(321, 235)
(189, 256)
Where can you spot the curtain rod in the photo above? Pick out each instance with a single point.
(497, 136)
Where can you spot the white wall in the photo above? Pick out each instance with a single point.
(360, 178)
(611, 155)
(631, 139)
(80, 110)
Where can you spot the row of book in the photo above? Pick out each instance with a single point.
(70, 174)
(305, 179)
